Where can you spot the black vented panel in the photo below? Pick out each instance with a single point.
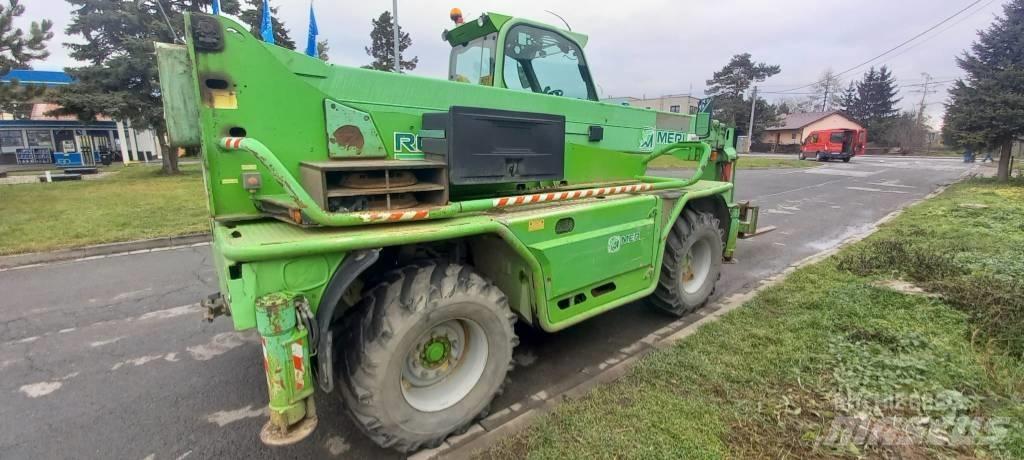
(487, 146)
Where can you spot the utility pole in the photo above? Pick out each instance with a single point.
(750, 127)
(828, 82)
(920, 111)
(394, 13)
(924, 94)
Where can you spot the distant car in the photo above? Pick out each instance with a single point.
(834, 144)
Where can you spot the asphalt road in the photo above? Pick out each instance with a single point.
(108, 358)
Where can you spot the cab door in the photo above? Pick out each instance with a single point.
(836, 141)
(812, 143)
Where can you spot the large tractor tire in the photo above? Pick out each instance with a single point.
(425, 354)
(692, 264)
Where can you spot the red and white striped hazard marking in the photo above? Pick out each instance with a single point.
(394, 216)
(266, 363)
(231, 143)
(297, 364)
(573, 195)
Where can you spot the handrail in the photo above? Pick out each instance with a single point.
(705, 156)
(311, 210)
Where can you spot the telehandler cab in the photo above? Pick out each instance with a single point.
(383, 232)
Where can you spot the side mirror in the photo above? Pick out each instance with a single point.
(702, 119)
(702, 124)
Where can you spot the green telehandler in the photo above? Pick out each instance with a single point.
(383, 232)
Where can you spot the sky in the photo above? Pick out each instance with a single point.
(657, 47)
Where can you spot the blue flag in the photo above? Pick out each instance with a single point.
(216, 7)
(313, 32)
(266, 25)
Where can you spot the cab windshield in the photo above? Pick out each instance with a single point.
(545, 61)
(473, 62)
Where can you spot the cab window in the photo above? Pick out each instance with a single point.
(473, 61)
(544, 61)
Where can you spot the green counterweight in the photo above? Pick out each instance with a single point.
(285, 343)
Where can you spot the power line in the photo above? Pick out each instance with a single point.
(890, 50)
(787, 93)
(898, 80)
(958, 22)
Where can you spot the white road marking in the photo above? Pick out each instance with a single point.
(865, 189)
(761, 197)
(843, 172)
(171, 312)
(141, 360)
(225, 417)
(35, 390)
(100, 343)
(776, 211)
(125, 295)
(890, 184)
(182, 456)
(336, 445)
(166, 313)
(220, 344)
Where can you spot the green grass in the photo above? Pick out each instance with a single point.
(769, 379)
(135, 203)
(55, 170)
(745, 162)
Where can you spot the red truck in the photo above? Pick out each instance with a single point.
(834, 144)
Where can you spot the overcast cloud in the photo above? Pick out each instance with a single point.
(655, 47)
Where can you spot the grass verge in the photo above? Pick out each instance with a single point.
(833, 362)
(745, 162)
(135, 203)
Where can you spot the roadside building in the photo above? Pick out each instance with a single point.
(30, 136)
(676, 103)
(795, 127)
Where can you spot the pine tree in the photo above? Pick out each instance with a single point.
(17, 51)
(382, 45)
(784, 108)
(253, 16)
(728, 86)
(321, 50)
(877, 102)
(848, 102)
(986, 110)
(119, 77)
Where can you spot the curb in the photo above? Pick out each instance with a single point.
(519, 416)
(37, 258)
